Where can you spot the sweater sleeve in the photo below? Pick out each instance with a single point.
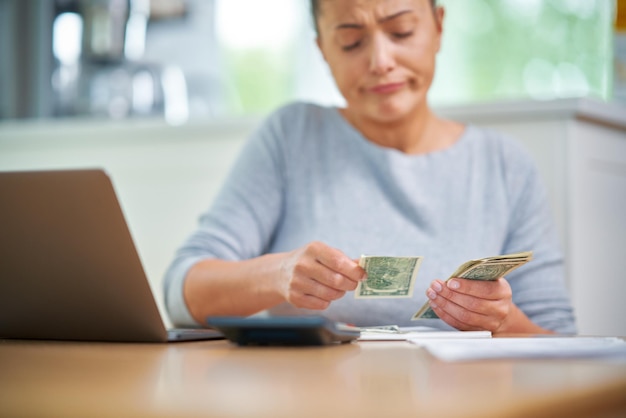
(242, 219)
(539, 288)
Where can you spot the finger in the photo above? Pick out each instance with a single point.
(305, 301)
(466, 311)
(477, 304)
(310, 269)
(339, 262)
(331, 278)
(461, 318)
(311, 284)
(484, 289)
(451, 320)
(439, 290)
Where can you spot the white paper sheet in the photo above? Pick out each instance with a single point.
(419, 333)
(538, 347)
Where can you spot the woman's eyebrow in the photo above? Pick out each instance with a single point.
(349, 26)
(393, 16)
(381, 20)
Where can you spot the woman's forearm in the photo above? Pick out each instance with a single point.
(216, 287)
(310, 277)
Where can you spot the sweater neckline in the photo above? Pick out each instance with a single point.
(376, 148)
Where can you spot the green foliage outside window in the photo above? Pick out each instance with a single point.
(541, 49)
(492, 50)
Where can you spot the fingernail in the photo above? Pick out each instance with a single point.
(364, 277)
(431, 294)
(453, 284)
(433, 304)
(437, 286)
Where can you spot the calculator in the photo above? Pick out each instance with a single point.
(284, 330)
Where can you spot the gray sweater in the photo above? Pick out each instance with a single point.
(306, 175)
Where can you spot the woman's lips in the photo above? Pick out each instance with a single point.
(387, 88)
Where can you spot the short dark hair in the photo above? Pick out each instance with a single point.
(315, 12)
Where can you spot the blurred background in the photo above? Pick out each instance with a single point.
(186, 59)
(162, 94)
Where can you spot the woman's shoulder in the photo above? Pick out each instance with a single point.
(293, 125)
(297, 122)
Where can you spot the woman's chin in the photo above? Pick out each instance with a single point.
(391, 110)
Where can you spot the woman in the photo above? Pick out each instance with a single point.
(315, 187)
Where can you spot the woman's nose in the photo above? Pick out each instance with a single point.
(381, 55)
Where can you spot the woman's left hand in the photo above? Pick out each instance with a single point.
(473, 304)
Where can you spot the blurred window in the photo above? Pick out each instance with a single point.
(492, 50)
(538, 49)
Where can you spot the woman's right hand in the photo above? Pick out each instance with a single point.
(315, 275)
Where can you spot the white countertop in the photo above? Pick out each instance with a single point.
(609, 113)
(88, 130)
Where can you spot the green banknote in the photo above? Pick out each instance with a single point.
(388, 277)
(490, 268)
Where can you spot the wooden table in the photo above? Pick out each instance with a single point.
(367, 379)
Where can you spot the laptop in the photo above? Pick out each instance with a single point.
(69, 269)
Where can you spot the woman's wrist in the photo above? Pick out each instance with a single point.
(518, 323)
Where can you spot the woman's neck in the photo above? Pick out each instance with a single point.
(419, 133)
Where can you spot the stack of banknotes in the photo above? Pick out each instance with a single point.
(395, 276)
(489, 268)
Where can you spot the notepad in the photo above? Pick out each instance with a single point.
(538, 347)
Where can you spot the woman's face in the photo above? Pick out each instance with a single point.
(381, 54)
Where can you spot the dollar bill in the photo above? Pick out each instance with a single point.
(490, 268)
(387, 277)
